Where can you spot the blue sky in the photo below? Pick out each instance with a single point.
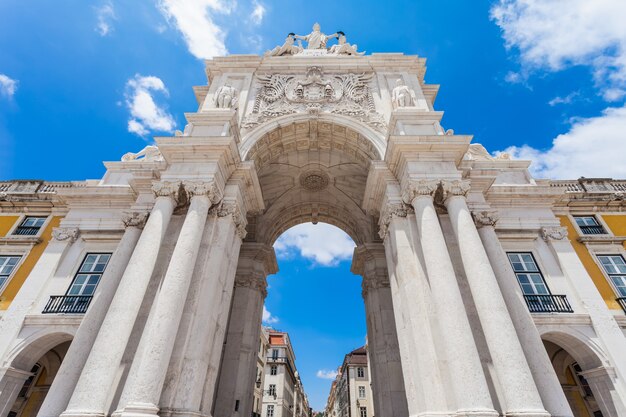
(87, 81)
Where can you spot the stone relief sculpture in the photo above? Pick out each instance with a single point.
(313, 93)
(226, 97)
(402, 95)
(150, 153)
(316, 39)
(477, 152)
(287, 48)
(343, 47)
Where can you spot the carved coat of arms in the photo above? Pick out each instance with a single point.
(314, 93)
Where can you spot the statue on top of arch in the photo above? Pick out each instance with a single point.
(316, 41)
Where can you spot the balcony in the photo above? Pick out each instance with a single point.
(26, 230)
(622, 302)
(592, 230)
(548, 304)
(67, 304)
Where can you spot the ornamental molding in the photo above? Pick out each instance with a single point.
(252, 280)
(455, 188)
(135, 219)
(485, 218)
(374, 282)
(203, 188)
(231, 208)
(390, 211)
(415, 188)
(166, 189)
(553, 233)
(62, 234)
(315, 93)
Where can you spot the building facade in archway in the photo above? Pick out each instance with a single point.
(473, 271)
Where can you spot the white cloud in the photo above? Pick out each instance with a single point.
(326, 374)
(257, 13)
(564, 100)
(8, 86)
(593, 147)
(105, 15)
(554, 35)
(145, 114)
(322, 243)
(514, 77)
(268, 318)
(195, 20)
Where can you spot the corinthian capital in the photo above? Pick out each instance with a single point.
(203, 188)
(553, 233)
(231, 208)
(253, 280)
(416, 188)
(65, 233)
(455, 188)
(135, 219)
(166, 189)
(374, 282)
(390, 211)
(485, 218)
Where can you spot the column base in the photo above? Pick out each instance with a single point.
(480, 412)
(168, 412)
(434, 414)
(527, 413)
(138, 410)
(82, 413)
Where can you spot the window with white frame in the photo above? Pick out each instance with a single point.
(360, 373)
(528, 274)
(30, 226)
(361, 392)
(273, 370)
(363, 411)
(89, 274)
(272, 390)
(7, 266)
(589, 225)
(270, 411)
(615, 268)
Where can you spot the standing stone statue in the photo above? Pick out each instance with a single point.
(343, 47)
(316, 39)
(225, 97)
(287, 48)
(402, 95)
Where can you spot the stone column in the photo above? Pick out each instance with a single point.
(601, 383)
(238, 372)
(548, 384)
(422, 378)
(66, 378)
(517, 386)
(12, 381)
(383, 350)
(97, 381)
(468, 379)
(160, 332)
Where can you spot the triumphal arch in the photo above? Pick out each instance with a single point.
(316, 133)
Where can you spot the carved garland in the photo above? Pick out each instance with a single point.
(553, 233)
(314, 93)
(65, 233)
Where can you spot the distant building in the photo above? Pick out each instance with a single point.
(283, 393)
(257, 403)
(350, 393)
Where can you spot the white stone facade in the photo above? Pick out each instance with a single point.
(310, 136)
(351, 392)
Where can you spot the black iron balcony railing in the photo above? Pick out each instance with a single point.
(622, 302)
(592, 230)
(67, 304)
(548, 304)
(26, 230)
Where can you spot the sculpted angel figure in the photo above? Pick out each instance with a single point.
(287, 48)
(225, 97)
(343, 47)
(316, 39)
(402, 95)
(150, 153)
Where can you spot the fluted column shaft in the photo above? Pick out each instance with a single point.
(541, 368)
(66, 378)
(96, 383)
(517, 385)
(422, 377)
(144, 389)
(468, 379)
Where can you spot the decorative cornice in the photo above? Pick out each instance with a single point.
(65, 233)
(485, 218)
(455, 188)
(553, 233)
(416, 188)
(166, 189)
(252, 280)
(134, 219)
(203, 188)
(231, 208)
(389, 211)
